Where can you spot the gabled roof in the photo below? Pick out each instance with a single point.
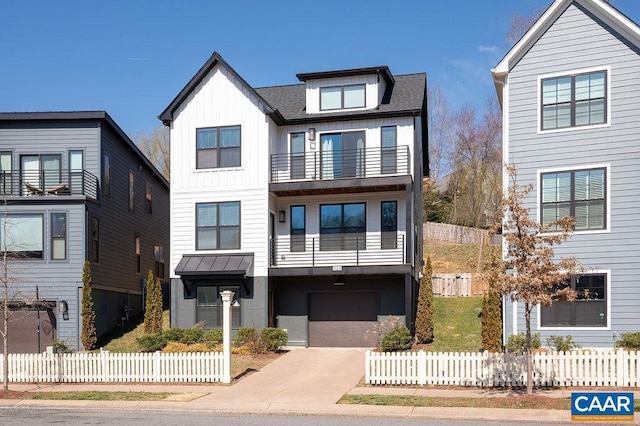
(167, 115)
(600, 8)
(405, 95)
(101, 116)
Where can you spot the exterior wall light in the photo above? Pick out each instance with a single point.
(282, 216)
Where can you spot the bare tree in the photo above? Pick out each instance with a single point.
(531, 273)
(475, 181)
(440, 127)
(156, 146)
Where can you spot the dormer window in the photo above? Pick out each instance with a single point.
(342, 97)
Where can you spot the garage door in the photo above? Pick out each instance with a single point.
(342, 319)
(23, 331)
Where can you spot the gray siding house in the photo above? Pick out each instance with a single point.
(570, 94)
(74, 187)
(305, 200)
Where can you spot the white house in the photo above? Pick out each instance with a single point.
(305, 200)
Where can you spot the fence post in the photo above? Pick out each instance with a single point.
(227, 295)
(422, 368)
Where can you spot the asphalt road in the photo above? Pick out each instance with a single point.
(31, 416)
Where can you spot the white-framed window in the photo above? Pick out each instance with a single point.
(342, 97)
(22, 235)
(574, 99)
(589, 309)
(58, 236)
(132, 191)
(581, 193)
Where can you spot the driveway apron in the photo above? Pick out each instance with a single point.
(301, 376)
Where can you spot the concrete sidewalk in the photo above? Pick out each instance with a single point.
(303, 381)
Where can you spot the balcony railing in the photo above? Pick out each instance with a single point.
(354, 163)
(338, 249)
(41, 183)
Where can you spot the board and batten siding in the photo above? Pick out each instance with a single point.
(577, 41)
(221, 100)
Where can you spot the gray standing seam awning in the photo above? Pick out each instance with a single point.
(215, 264)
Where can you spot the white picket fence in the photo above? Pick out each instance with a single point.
(618, 368)
(107, 367)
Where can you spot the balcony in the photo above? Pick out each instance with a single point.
(372, 167)
(297, 251)
(49, 183)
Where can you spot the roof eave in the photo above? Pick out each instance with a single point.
(166, 116)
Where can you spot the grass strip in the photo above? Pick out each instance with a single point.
(101, 396)
(515, 402)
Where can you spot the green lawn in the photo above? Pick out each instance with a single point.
(456, 323)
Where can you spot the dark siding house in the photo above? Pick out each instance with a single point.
(76, 188)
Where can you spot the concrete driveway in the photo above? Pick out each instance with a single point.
(301, 376)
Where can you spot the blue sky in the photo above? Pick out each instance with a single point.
(131, 57)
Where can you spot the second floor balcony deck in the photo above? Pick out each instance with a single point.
(297, 251)
(45, 183)
(361, 163)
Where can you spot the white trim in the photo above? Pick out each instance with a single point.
(607, 272)
(541, 77)
(606, 166)
(514, 326)
(603, 7)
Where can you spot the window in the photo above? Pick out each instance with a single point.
(389, 224)
(218, 226)
(209, 306)
(342, 97)
(574, 100)
(76, 174)
(342, 226)
(6, 175)
(94, 250)
(132, 190)
(138, 252)
(579, 193)
(218, 147)
(106, 184)
(298, 228)
(389, 149)
(22, 235)
(588, 310)
(148, 199)
(297, 156)
(158, 261)
(58, 236)
(39, 172)
(342, 155)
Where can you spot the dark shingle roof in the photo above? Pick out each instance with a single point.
(406, 96)
(286, 104)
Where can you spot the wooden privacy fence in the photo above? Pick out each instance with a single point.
(458, 234)
(458, 285)
(575, 368)
(107, 367)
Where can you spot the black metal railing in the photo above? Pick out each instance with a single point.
(38, 183)
(353, 163)
(387, 248)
